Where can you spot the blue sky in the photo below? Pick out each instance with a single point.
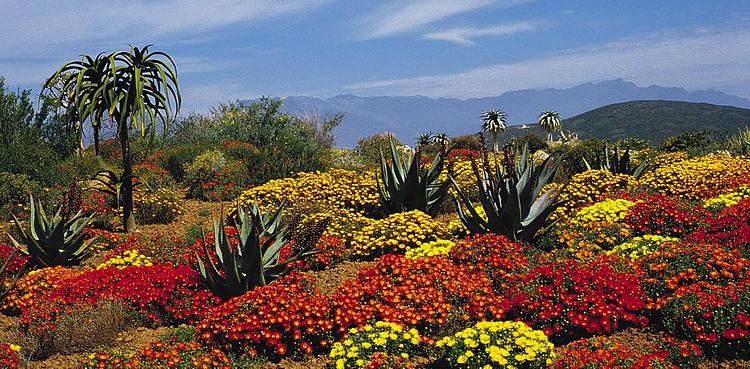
(442, 48)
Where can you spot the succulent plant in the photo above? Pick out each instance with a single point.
(404, 185)
(110, 183)
(254, 261)
(512, 197)
(58, 240)
(619, 162)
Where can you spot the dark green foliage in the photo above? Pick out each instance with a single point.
(618, 161)
(467, 142)
(369, 147)
(15, 189)
(655, 120)
(694, 143)
(404, 185)
(272, 144)
(53, 241)
(572, 156)
(512, 197)
(532, 140)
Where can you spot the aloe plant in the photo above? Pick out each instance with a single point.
(512, 197)
(112, 184)
(254, 261)
(620, 163)
(58, 240)
(404, 185)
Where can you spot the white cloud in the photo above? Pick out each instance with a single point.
(403, 16)
(695, 58)
(34, 28)
(466, 36)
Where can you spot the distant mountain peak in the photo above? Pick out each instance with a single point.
(406, 116)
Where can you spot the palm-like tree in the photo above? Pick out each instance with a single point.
(441, 139)
(424, 139)
(134, 89)
(494, 122)
(550, 120)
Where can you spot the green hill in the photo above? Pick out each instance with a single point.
(655, 120)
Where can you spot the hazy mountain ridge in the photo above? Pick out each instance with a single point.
(407, 116)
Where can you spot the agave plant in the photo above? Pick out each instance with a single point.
(512, 197)
(112, 184)
(53, 241)
(620, 163)
(255, 260)
(404, 186)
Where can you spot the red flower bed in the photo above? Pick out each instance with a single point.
(570, 299)
(496, 255)
(717, 317)
(161, 293)
(18, 262)
(421, 293)
(9, 357)
(330, 250)
(667, 273)
(284, 318)
(161, 355)
(729, 227)
(664, 215)
(627, 352)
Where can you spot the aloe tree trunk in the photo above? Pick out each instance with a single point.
(495, 146)
(128, 218)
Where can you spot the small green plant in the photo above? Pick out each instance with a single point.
(254, 261)
(619, 162)
(512, 199)
(109, 182)
(53, 241)
(404, 186)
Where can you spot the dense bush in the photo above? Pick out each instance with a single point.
(160, 293)
(664, 215)
(287, 317)
(497, 344)
(424, 293)
(14, 192)
(628, 350)
(210, 177)
(363, 346)
(676, 268)
(717, 317)
(369, 147)
(572, 155)
(571, 299)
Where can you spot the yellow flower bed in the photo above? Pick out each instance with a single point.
(609, 210)
(698, 178)
(395, 234)
(669, 158)
(728, 199)
(456, 227)
(589, 187)
(641, 246)
(332, 189)
(382, 337)
(489, 345)
(428, 249)
(160, 206)
(128, 258)
(345, 223)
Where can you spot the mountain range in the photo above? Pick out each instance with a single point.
(408, 116)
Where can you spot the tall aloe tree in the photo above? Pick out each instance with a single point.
(550, 121)
(494, 122)
(134, 90)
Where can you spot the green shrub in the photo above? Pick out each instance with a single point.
(175, 157)
(210, 177)
(14, 192)
(467, 142)
(369, 147)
